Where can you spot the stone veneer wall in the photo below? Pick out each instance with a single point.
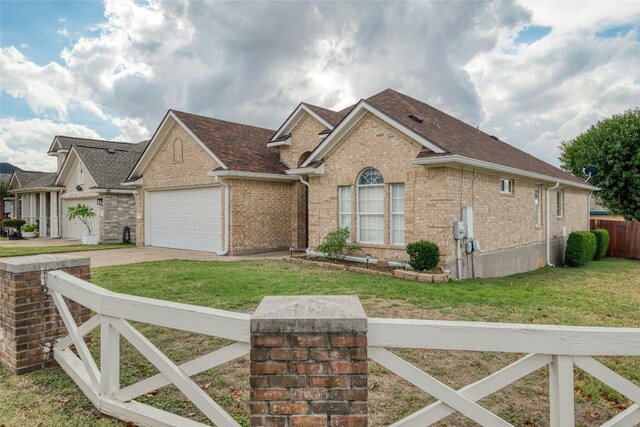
(28, 317)
(118, 211)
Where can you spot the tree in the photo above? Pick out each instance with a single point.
(613, 146)
(83, 213)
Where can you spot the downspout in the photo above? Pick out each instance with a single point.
(307, 215)
(227, 219)
(548, 231)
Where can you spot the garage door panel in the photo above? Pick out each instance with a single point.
(185, 219)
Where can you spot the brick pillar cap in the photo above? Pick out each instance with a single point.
(27, 264)
(309, 314)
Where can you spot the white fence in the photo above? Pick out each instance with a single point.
(559, 347)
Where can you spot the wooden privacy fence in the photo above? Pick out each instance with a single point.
(624, 237)
(561, 348)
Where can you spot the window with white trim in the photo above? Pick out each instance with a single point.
(344, 207)
(396, 227)
(560, 202)
(371, 207)
(538, 203)
(506, 186)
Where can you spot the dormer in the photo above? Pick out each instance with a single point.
(59, 151)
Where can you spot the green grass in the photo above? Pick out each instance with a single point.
(21, 251)
(604, 293)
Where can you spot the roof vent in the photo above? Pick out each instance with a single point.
(416, 118)
(494, 137)
(111, 151)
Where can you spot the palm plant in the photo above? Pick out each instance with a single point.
(83, 213)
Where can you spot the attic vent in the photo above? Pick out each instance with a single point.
(111, 151)
(494, 137)
(416, 118)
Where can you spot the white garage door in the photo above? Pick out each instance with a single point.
(184, 219)
(75, 229)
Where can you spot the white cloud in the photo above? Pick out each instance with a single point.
(24, 143)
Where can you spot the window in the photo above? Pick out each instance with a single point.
(80, 175)
(371, 207)
(177, 151)
(506, 186)
(560, 202)
(397, 214)
(344, 207)
(538, 203)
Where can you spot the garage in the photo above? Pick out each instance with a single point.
(189, 218)
(75, 229)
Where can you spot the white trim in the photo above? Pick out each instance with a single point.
(159, 137)
(295, 117)
(347, 123)
(317, 171)
(284, 142)
(253, 175)
(454, 158)
(138, 181)
(64, 172)
(112, 191)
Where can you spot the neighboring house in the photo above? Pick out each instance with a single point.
(6, 203)
(598, 211)
(90, 172)
(390, 168)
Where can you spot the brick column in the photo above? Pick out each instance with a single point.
(309, 362)
(28, 317)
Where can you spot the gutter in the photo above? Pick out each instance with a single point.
(252, 175)
(500, 168)
(227, 220)
(548, 227)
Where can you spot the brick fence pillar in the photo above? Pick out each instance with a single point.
(28, 317)
(309, 362)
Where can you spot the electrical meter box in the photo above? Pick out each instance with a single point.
(467, 220)
(458, 230)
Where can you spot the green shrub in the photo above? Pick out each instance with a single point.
(335, 244)
(423, 255)
(29, 228)
(13, 223)
(602, 242)
(581, 248)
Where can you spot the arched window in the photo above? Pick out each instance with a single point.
(371, 207)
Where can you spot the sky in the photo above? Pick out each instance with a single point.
(533, 73)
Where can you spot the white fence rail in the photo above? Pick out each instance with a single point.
(559, 347)
(112, 312)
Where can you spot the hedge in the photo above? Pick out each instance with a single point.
(423, 255)
(581, 248)
(602, 242)
(13, 222)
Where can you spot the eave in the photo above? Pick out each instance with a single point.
(251, 175)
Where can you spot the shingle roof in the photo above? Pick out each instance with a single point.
(330, 116)
(67, 141)
(110, 166)
(31, 179)
(6, 170)
(240, 147)
(459, 138)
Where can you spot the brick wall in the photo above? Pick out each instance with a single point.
(28, 317)
(118, 211)
(304, 137)
(309, 370)
(261, 215)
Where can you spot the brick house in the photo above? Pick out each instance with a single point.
(90, 172)
(390, 168)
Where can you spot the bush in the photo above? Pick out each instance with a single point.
(602, 242)
(13, 223)
(581, 248)
(335, 244)
(29, 228)
(423, 255)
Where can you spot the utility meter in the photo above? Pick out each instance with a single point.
(459, 230)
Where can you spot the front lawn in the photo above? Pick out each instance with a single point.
(605, 293)
(37, 250)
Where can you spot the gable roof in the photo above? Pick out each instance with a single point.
(240, 147)
(6, 170)
(455, 139)
(29, 180)
(108, 167)
(330, 116)
(61, 142)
